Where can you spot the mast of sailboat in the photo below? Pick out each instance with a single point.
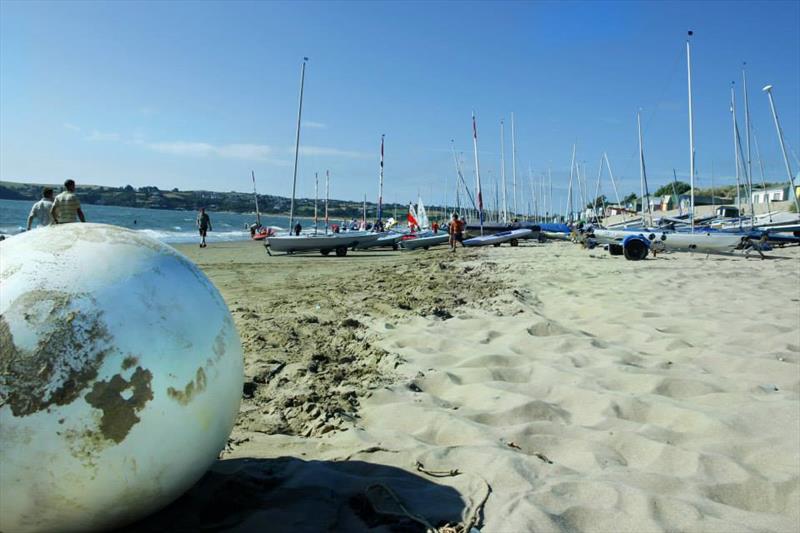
(316, 195)
(761, 172)
(568, 208)
(691, 127)
(297, 142)
(503, 170)
(365, 211)
(713, 202)
(642, 172)
(736, 156)
(616, 191)
(675, 192)
(380, 186)
(327, 190)
(747, 135)
(597, 191)
(793, 192)
(550, 187)
(747, 176)
(478, 168)
(255, 195)
(514, 164)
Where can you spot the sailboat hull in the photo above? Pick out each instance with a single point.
(311, 243)
(705, 242)
(425, 242)
(499, 238)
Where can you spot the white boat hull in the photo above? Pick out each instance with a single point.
(322, 243)
(705, 242)
(498, 238)
(425, 242)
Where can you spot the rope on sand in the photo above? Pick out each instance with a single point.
(436, 473)
(371, 492)
(380, 491)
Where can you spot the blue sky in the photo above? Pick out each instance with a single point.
(195, 95)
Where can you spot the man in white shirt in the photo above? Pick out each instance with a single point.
(66, 206)
(41, 209)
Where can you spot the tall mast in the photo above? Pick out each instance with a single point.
(503, 170)
(761, 171)
(533, 193)
(747, 130)
(597, 191)
(749, 181)
(514, 163)
(297, 142)
(642, 172)
(768, 90)
(550, 186)
(327, 190)
(614, 185)
(691, 127)
(255, 194)
(316, 195)
(478, 168)
(736, 155)
(380, 186)
(568, 209)
(365, 211)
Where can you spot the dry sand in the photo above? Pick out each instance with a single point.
(566, 389)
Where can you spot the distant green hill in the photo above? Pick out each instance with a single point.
(238, 202)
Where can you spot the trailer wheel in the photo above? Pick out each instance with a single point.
(341, 251)
(541, 238)
(635, 249)
(514, 242)
(425, 247)
(497, 244)
(615, 248)
(395, 246)
(325, 252)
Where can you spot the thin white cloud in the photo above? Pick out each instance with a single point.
(255, 152)
(314, 125)
(72, 127)
(332, 152)
(103, 136)
(201, 149)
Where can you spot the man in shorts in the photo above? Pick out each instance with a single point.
(41, 209)
(66, 206)
(204, 226)
(456, 230)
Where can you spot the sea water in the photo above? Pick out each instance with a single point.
(170, 226)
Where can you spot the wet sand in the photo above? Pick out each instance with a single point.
(538, 388)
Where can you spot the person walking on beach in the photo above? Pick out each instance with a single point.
(456, 230)
(204, 226)
(66, 206)
(41, 209)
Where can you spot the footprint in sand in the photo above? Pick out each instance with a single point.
(492, 335)
(546, 329)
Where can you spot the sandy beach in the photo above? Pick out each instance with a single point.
(540, 388)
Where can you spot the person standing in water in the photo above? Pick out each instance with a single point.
(66, 206)
(204, 226)
(41, 209)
